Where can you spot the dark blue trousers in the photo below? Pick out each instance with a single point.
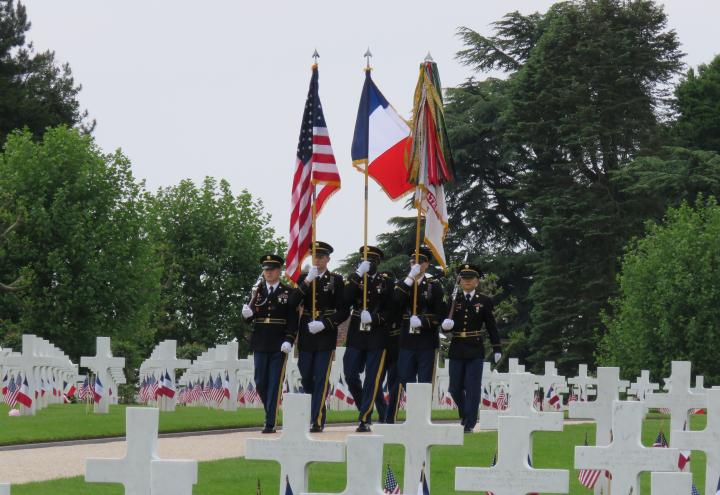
(465, 387)
(314, 369)
(373, 363)
(416, 366)
(387, 412)
(269, 377)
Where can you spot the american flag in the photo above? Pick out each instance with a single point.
(241, 394)
(12, 392)
(502, 400)
(251, 395)
(207, 390)
(84, 390)
(588, 477)
(315, 165)
(660, 440)
(694, 490)
(391, 484)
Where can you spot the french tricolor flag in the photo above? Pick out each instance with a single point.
(380, 141)
(98, 390)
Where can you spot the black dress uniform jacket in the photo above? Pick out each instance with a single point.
(467, 333)
(330, 306)
(430, 310)
(274, 320)
(379, 301)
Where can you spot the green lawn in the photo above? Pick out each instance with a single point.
(76, 421)
(239, 476)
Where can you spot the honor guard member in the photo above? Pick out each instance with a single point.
(470, 312)
(367, 334)
(387, 411)
(317, 337)
(419, 331)
(274, 324)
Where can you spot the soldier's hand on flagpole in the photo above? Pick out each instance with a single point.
(448, 324)
(363, 268)
(312, 274)
(497, 357)
(316, 326)
(286, 347)
(412, 275)
(415, 322)
(365, 317)
(246, 311)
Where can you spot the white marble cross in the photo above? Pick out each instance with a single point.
(102, 364)
(680, 399)
(164, 358)
(4, 489)
(583, 383)
(642, 387)
(520, 403)
(671, 483)
(136, 470)
(625, 457)
(418, 433)
(295, 449)
(364, 466)
(699, 385)
(707, 440)
(173, 478)
(514, 366)
(511, 474)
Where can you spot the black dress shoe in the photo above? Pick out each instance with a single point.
(363, 428)
(316, 429)
(269, 429)
(462, 421)
(467, 429)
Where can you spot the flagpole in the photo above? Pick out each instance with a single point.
(417, 249)
(314, 217)
(365, 226)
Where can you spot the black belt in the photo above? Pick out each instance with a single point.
(476, 333)
(271, 321)
(320, 313)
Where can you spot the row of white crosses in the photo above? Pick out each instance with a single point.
(40, 362)
(220, 360)
(164, 359)
(109, 370)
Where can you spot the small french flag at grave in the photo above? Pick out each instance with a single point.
(553, 398)
(23, 396)
(98, 390)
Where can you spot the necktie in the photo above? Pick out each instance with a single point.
(272, 289)
(467, 298)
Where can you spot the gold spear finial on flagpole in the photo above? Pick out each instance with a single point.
(368, 55)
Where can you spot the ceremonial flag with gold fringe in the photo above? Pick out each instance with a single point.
(430, 163)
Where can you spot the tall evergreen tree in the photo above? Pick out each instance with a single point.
(35, 92)
(697, 102)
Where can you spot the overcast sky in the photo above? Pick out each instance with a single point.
(189, 89)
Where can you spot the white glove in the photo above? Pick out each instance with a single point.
(286, 347)
(312, 274)
(365, 317)
(414, 272)
(363, 268)
(497, 357)
(246, 311)
(448, 324)
(315, 327)
(415, 322)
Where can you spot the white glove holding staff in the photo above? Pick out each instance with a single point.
(316, 326)
(415, 322)
(412, 275)
(286, 347)
(247, 312)
(448, 324)
(312, 274)
(365, 317)
(363, 268)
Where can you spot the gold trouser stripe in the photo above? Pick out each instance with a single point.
(278, 400)
(435, 359)
(375, 387)
(324, 395)
(397, 401)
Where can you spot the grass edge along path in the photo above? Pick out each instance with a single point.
(239, 476)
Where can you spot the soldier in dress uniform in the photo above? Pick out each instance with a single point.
(317, 337)
(419, 331)
(471, 310)
(274, 324)
(367, 334)
(393, 321)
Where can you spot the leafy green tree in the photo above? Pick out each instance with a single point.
(667, 308)
(34, 91)
(81, 248)
(209, 242)
(697, 102)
